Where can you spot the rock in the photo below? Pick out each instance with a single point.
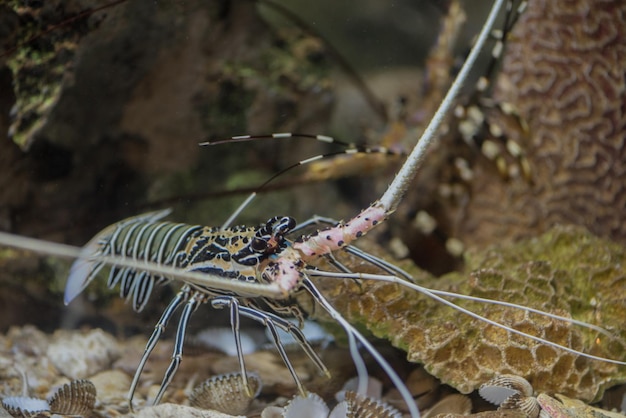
(112, 386)
(167, 410)
(79, 356)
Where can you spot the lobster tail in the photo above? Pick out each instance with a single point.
(87, 266)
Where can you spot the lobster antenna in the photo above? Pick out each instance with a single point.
(193, 278)
(397, 271)
(434, 294)
(394, 193)
(351, 148)
(281, 135)
(353, 333)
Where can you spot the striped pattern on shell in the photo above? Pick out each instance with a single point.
(22, 406)
(226, 393)
(75, 398)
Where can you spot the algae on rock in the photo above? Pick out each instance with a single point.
(566, 271)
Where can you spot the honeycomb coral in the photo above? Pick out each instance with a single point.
(567, 271)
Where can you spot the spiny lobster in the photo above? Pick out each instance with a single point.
(255, 271)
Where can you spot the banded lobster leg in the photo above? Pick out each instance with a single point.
(177, 357)
(272, 322)
(181, 297)
(192, 299)
(286, 272)
(193, 302)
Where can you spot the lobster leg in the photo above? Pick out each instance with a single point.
(233, 304)
(260, 316)
(271, 322)
(297, 334)
(177, 356)
(180, 297)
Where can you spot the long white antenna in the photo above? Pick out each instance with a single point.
(398, 187)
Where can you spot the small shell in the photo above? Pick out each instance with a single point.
(526, 404)
(226, 393)
(374, 388)
(310, 407)
(22, 406)
(500, 388)
(357, 406)
(75, 398)
(551, 407)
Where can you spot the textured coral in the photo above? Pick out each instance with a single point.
(566, 271)
(556, 128)
(564, 73)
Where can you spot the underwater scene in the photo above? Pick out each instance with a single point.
(265, 208)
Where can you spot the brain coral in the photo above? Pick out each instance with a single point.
(563, 71)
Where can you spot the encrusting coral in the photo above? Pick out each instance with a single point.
(566, 271)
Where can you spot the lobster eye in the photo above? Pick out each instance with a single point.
(286, 224)
(283, 225)
(258, 245)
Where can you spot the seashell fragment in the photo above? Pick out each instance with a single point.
(75, 398)
(341, 410)
(564, 407)
(526, 404)
(226, 393)
(272, 411)
(111, 386)
(500, 388)
(310, 407)
(511, 392)
(23, 406)
(358, 406)
(551, 407)
(374, 388)
(170, 410)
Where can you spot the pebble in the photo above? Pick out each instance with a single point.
(112, 387)
(80, 355)
(168, 410)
